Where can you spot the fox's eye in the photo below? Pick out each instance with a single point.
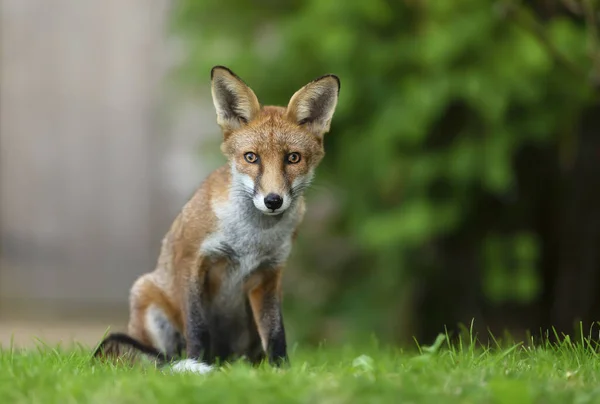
(251, 157)
(293, 158)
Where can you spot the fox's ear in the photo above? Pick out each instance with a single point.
(314, 104)
(235, 102)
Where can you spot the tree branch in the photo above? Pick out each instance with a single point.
(520, 15)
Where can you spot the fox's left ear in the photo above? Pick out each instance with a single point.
(314, 104)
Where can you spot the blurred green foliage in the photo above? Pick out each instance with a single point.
(436, 99)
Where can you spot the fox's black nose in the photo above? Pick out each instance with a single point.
(273, 201)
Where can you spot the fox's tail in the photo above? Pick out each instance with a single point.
(122, 347)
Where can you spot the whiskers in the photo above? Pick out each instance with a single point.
(241, 191)
(299, 189)
(311, 185)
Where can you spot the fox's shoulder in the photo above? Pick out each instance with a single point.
(215, 188)
(197, 217)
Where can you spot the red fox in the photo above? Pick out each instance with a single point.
(215, 294)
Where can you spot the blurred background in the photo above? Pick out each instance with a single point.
(461, 182)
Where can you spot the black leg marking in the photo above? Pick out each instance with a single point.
(197, 335)
(272, 319)
(277, 344)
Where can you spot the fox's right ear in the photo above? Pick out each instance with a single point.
(235, 102)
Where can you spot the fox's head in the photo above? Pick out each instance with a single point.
(273, 151)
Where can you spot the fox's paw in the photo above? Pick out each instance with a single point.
(192, 366)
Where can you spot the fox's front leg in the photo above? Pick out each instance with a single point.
(196, 333)
(264, 295)
(196, 330)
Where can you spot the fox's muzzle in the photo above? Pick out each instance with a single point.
(272, 203)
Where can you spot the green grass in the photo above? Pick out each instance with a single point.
(562, 373)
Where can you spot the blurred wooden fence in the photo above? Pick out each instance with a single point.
(90, 177)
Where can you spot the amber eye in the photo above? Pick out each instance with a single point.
(251, 157)
(293, 158)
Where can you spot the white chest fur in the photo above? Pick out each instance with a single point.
(250, 239)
